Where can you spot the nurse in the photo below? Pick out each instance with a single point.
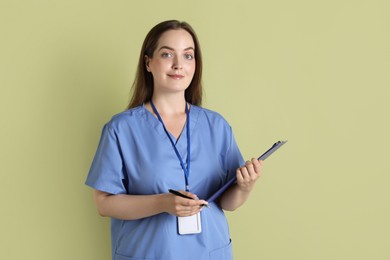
(165, 140)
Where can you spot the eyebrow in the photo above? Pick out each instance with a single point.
(172, 49)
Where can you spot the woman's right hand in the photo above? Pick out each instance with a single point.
(183, 207)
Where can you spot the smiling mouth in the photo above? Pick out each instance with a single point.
(176, 76)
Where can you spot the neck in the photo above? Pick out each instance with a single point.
(169, 105)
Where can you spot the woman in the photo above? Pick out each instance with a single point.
(166, 141)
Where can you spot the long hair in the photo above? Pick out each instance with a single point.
(143, 83)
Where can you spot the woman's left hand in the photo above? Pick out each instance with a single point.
(248, 174)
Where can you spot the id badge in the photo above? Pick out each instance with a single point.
(189, 225)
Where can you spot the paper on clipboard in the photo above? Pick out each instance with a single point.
(264, 156)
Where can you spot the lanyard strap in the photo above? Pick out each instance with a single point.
(186, 170)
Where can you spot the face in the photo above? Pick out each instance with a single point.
(173, 62)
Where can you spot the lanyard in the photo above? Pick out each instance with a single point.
(186, 170)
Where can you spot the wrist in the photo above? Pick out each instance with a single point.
(245, 188)
(163, 202)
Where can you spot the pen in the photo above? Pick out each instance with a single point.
(175, 192)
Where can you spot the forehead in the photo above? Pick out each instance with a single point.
(178, 39)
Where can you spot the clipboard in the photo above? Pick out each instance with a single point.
(264, 156)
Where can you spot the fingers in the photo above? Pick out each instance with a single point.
(187, 206)
(184, 209)
(249, 173)
(189, 194)
(257, 165)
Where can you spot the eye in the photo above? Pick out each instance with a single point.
(166, 55)
(189, 56)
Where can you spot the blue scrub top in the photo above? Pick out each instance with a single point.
(135, 157)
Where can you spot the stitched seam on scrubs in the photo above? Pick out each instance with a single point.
(227, 153)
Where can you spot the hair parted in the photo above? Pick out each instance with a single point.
(142, 88)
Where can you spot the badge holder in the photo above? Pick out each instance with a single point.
(189, 225)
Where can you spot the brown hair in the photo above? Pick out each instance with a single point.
(143, 83)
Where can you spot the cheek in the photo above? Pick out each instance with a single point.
(163, 62)
(191, 68)
(158, 64)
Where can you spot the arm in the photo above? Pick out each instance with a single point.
(247, 176)
(131, 207)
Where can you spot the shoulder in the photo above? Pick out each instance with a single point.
(210, 114)
(127, 117)
(212, 117)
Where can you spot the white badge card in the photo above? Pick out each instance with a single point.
(189, 225)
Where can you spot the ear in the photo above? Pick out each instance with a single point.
(147, 59)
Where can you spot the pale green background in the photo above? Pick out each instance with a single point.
(314, 72)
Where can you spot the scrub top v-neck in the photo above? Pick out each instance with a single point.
(135, 157)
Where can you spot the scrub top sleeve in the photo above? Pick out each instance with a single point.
(106, 173)
(234, 159)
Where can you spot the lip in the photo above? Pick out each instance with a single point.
(175, 76)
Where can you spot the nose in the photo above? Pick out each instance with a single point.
(176, 63)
